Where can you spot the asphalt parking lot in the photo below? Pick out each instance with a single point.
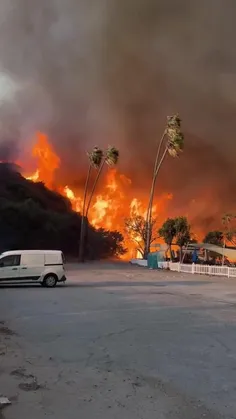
(118, 340)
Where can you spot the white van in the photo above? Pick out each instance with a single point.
(43, 266)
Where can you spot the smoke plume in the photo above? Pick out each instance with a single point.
(93, 72)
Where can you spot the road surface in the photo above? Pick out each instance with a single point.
(120, 341)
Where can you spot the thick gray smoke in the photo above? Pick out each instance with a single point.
(97, 72)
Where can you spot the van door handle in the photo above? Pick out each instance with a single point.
(14, 269)
(24, 268)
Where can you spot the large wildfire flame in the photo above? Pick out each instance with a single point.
(113, 202)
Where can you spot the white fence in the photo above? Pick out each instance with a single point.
(140, 262)
(199, 269)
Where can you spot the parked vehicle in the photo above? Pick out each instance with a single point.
(41, 266)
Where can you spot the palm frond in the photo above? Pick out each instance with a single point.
(95, 157)
(176, 144)
(227, 218)
(112, 156)
(174, 121)
(175, 136)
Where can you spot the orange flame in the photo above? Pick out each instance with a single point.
(34, 177)
(76, 201)
(114, 201)
(47, 160)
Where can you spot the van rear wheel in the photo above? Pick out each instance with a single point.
(50, 281)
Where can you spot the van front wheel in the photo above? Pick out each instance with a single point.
(50, 281)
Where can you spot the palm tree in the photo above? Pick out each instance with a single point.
(173, 141)
(110, 157)
(228, 221)
(95, 159)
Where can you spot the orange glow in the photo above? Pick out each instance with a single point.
(34, 177)
(114, 200)
(47, 161)
(76, 201)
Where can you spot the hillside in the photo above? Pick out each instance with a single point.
(32, 216)
(14, 187)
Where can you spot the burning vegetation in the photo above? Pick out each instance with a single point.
(113, 202)
(35, 217)
(36, 208)
(86, 80)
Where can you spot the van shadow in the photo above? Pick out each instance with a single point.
(24, 286)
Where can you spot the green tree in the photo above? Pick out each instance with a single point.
(168, 232)
(215, 237)
(172, 143)
(112, 246)
(183, 233)
(176, 231)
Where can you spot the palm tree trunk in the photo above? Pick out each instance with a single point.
(90, 200)
(149, 215)
(151, 196)
(154, 176)
(94, 186)
(82, 228)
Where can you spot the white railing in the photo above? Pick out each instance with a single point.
(192, 268)
(163, 265)
(140, 262)
(199, 269)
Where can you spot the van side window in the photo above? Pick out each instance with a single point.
(11, 260)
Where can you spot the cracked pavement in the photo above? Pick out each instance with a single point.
(119, 341)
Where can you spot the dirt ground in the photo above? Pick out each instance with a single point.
(119, 341)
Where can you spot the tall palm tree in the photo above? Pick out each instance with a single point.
(95, 158)
(171, 142)
(228, 221)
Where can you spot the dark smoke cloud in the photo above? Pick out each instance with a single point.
(97, 72)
